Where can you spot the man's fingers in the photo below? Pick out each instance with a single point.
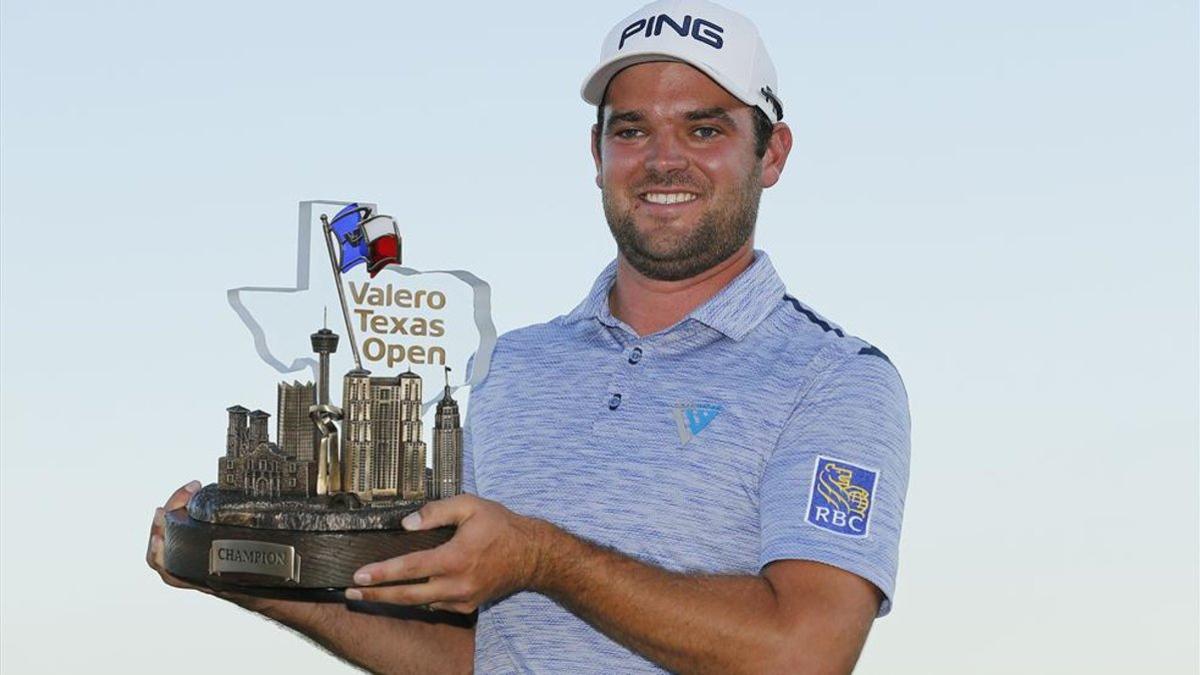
(156, 529)
(177, 500)
(418, 565)
(180, 497)
(156, 552)
(434, 590)
(155, 556)
(150, 549)
(441, 512)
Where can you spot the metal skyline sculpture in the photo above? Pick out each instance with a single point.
(297, 516)
(324, 415)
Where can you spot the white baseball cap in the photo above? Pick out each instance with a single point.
(719, 42)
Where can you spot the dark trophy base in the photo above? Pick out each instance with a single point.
(299, 549)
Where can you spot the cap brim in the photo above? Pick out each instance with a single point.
(596, 83)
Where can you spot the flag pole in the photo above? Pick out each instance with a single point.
(337, 281)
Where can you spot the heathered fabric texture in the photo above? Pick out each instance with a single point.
(547, 437)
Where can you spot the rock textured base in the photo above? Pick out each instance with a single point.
(327, 513)
(324, 545)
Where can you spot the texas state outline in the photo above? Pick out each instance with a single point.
(482, 297)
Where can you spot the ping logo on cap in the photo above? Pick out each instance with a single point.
(699, 29)
(842, 497)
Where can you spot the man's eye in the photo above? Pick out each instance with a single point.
(707, 132)
(628, 133)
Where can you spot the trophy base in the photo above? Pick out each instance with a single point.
(313, 565)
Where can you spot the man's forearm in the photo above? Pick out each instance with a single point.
(794, 616)
(379, 644)
(688, 623)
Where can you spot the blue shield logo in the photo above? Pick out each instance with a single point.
(842, 497)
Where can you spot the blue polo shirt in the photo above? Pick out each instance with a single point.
(753, 430)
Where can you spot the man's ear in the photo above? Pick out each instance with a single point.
(596, 153)
(776, 155)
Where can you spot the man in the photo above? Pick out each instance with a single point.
(691, 470)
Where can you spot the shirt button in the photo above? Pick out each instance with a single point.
(635, 355)
(614, 402)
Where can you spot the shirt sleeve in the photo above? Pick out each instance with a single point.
(833, 490)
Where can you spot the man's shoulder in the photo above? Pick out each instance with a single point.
(806, 348)
(835, 377)
(798, 327)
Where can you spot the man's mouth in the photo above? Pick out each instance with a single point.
(668, 197)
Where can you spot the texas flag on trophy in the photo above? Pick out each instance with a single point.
(365, 237)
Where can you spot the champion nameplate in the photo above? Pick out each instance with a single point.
(253, 557)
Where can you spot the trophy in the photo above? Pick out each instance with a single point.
(296, 515)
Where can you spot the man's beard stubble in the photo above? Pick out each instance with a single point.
(721, 231)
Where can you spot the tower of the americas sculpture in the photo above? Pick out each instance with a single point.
(324, 343)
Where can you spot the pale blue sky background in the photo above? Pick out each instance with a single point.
(1001, 196)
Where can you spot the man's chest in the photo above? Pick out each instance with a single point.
(658, 454)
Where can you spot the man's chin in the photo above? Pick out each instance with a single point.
(663, 252)
(666, 265)
(664, 237)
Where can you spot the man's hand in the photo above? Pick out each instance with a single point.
(154, 548)
(154, 555)
(495, 552)
(378, 644)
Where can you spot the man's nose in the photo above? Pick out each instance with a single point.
(665, 153)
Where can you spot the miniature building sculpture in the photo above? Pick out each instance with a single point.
(256, 466)
(356, 431)
(296, 433)
(447, 448)
(381, 436)
(412, 472)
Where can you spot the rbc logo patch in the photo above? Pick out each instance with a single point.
(842, 496)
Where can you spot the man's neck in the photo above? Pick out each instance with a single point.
(650, 305)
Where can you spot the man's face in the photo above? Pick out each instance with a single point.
(676, 166)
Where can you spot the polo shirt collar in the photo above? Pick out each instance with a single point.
(734, 311)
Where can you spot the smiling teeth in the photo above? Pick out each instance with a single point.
(668, 197)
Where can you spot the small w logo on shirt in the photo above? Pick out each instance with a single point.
(692, 419)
